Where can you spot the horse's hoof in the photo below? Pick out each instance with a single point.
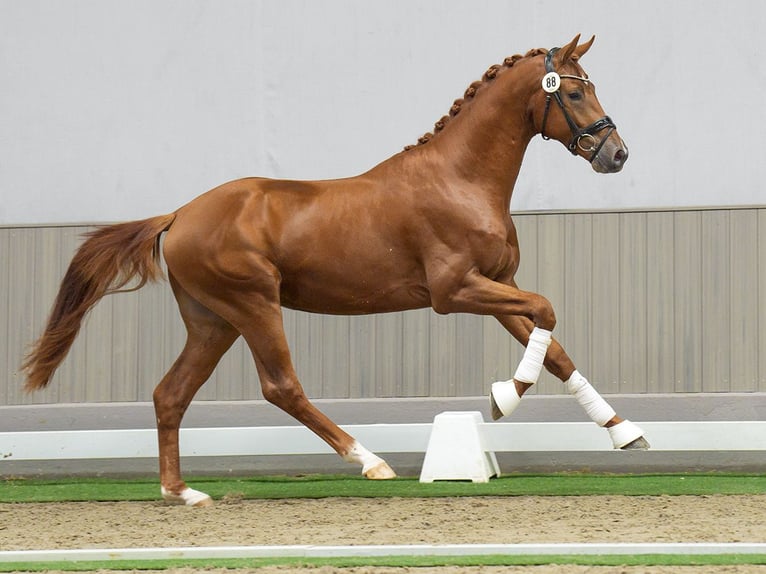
(497, 414)
(639, 444)
(503, 399)
(187, 497)
(380, 471)
(625, 433)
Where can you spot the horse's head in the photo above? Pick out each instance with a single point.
(566, 109)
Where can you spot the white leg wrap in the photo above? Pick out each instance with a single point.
(595, 406)
(362, 456)
(531, 363)
(505, 396)
(504, 393)
(188, 496)
(624, 433)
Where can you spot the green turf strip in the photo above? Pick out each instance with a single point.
(400, 561)
(323, 486)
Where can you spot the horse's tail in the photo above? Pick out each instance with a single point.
(105, 263)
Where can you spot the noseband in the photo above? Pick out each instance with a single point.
(582, 138)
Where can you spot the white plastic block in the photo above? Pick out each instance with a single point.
(456, 449)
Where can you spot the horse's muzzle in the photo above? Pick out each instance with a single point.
(612, 156)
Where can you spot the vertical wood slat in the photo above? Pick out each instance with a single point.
(469, 342)
(646, 302)
(7, 342)
(335, 370)
(743, 301)
(605, 311)
(441, 355)
(362, 357)
(415, 337)
(11, 347)
(715, 296)
(687, 300)
(660, 307)
(633, 272)
(388, 354)
(21, 310)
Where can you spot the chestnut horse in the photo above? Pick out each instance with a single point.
(428, 227)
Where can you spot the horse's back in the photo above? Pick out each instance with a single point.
(333, 246)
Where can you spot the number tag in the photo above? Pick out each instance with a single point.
(551, 82)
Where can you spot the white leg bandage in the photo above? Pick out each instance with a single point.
(531, 363)
(595, 406)
(504, 392)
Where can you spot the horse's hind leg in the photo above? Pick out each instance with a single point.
(254, 309)
(624, 434)
(209, 337)
(280, 385)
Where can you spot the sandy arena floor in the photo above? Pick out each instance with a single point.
(394, 521)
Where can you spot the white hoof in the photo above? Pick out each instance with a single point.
(373, 466)
(624, 433)
(188, 496)
(380, 471)
(503, 399)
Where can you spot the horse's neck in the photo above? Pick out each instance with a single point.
(485, 143)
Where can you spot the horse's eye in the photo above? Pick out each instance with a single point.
(575, 96)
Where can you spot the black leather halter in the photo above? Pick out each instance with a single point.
(579, 135)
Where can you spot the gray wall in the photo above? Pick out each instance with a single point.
(114, 110)
(647, 302)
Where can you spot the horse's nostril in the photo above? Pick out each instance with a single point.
(620, 156)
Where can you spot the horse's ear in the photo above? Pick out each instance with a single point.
(563, 55)
(581, 49)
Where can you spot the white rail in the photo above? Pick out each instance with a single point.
(381, 438)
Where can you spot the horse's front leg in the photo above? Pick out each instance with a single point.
(473, 292)
(624, 434)
(531, 319)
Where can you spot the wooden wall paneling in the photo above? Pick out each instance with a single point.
(661, 355)
(633, 285)
(415, 343)
(715, 297)
(687, 302)
(744, 304)
(605, 311)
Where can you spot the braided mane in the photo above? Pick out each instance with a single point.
(470, 92)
